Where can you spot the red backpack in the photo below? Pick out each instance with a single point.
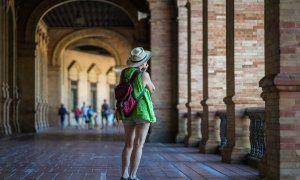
(123, 94)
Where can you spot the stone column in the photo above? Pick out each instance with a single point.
(45, 118)
(195, 88)
(204, 122)
(26, 75)
(246, 72)
(281, 89)
(182, 71)
(214, 78)
(230, 84)
(163, 45)
(16, 104)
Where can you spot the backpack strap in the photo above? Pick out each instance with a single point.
(135, 74)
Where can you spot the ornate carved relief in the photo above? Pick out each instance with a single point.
(41, 113)
(6, 104)
(16, 103)
(36, 123)
(2, 127)
(44, 110)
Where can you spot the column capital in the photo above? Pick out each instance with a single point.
(288, 82)
(284, 82)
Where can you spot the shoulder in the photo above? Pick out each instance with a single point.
(146, 74)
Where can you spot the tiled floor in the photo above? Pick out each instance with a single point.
(95, 154)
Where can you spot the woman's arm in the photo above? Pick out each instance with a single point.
(147, 82)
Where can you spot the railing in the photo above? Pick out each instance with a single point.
(182, 127)
(223, 128)
(257, 132)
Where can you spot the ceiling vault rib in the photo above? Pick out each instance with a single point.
(91, 14)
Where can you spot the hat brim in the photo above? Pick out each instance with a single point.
(147, 58)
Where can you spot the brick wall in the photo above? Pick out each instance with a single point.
(182, 69)
(244, 70)
(182, 53)
(214, 69)
(216, 54)
(249, 52)
(196, 81)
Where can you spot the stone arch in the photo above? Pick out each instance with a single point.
(109, 39)
(44, 7)
(76, 65)
(93, 71)
(103, 44)
(94, 68)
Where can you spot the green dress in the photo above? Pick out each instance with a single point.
(144, 108)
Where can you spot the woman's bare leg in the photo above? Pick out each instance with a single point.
(126, 153)
(141, 131)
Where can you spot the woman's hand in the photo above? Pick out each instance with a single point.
(144, 67)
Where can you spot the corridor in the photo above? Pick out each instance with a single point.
(95, 154)
(226, 74)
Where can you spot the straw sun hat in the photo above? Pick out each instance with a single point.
(138, 56)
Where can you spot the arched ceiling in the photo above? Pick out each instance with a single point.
(91, 49)
(30, 12)
(87, 14)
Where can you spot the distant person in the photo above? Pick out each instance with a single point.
(62, 112)
(84, 112)
(95, 120)
(77, 114)
(104, 112)
(90, 115)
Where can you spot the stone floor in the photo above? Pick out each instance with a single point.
(83, 154)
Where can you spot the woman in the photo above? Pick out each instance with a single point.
(136, 125)
(77, 113)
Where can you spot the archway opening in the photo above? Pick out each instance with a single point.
(80, 48)
(87, 80)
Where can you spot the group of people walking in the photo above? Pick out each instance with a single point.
(87, 114)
